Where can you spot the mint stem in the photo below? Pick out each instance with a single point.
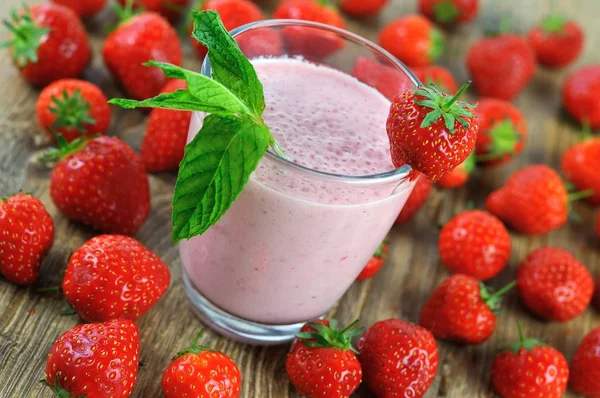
(278, 150)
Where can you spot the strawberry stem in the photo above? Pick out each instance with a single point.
(65, 148)
(194, 348)
(493, 300)
(580, 195)
(523, 343)
(50, 289)
(447, 105)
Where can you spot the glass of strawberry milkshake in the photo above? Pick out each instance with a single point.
(308, 221)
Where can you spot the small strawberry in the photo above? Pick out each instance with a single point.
(170, 9)
(437, 75)
(362, 8)
(86, 8)
(431, 131)
(502, 131)
(585, 366)
(413, 40)
(100, 182)
(581, 163)
(554, 285)
(72, 108)
(95, 360)
(322, 363)
(199, 371)
(415, 201)
(399, 359)
(459, 175)
(42, 34)
(501, 66)
(139, 39)
(262, 42)
(581, 95)
(556, 41)
(27, 235)
(462, 309)
(475, 243)
(387, 80)
(375, 263)
(449, 11)
(528, 368)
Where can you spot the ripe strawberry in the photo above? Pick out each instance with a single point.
(585, 366)
(100, 182)
(437, 75)
(598, 230)
(41, 36)
(322, 363)
(459, 175)
(73, 108)
(84, 9)
(199, 371)
(362, 8)
(399, 359)
(501, 66)
(554, 285)
(556, 41)
(416, 200)
(475, 243)
(431, 131)
(528, 368)
(388, 81)
(413, 40)
(95, 360)
(139, 39)
(462, 309)
(581, 95)
(581, 163)
(502, 131)
(449, 11)
(170, 9)
(263, 42)
(27, 235)
(375, 263)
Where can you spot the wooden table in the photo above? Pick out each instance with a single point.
(30, 321)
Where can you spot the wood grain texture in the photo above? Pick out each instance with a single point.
(30, 322)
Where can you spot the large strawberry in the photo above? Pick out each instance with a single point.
(437, 75)
(449, 11)
(556, 41)
(72, 108)
(581, 163)
(386, 79)
(554, 284)
(375, 263)
(415, 201)
(459, 175)
(85, 8)
(172, 10)
(199, 371)
(413, 40)
(322, 362)
(138, 39)
(27, 235)
(462, 309)
(585, 366)
(399, 359)
(431, 131)
(95, 360)
(581, 95)
(100, 182)
(49, 43)
(362, 8)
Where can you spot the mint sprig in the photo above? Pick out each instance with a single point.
(219, 160)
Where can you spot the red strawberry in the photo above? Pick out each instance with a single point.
(556, 41)
(475, 243)
(502, 131)
(86, 8)
(139, 39)
(101, 182)
(362, 8)
(416, 200)
(170, 9)
(114, 277)
(166, 135)
(49, 43)
(375, 263)
(581, 95)
(431, 131)
(28, 234)
(581, 163)
(199, 371)
(399, 359)
(459, 175)
(233, 13)
(449, 11)
(598, 230)
(260, 42)
(533, 200)
(73, 108)
(528, 368)
(462, 309)
(501, 66)
(386, 79)
(554, 285)
(413, 40)
(585, 366)
(322, 363)
(95, 360)
(437, 75)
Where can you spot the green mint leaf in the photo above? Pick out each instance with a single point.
(229, 65)
(216, 166)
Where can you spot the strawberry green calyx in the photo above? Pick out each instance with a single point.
(27, 38)
(57, 389)
(126, 12)
(446, 11)
(445, 106)
(469, 163)
(380, 249)
(328, 3)
(493, 300)
(504, 141)
(330, 336)
(65, 148)
(71, 110)
(554, 24)
(437, 44)
(523, 343)
(194, 348)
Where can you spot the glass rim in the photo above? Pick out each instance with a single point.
(402, 171)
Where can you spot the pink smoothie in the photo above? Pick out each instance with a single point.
(295, 240)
